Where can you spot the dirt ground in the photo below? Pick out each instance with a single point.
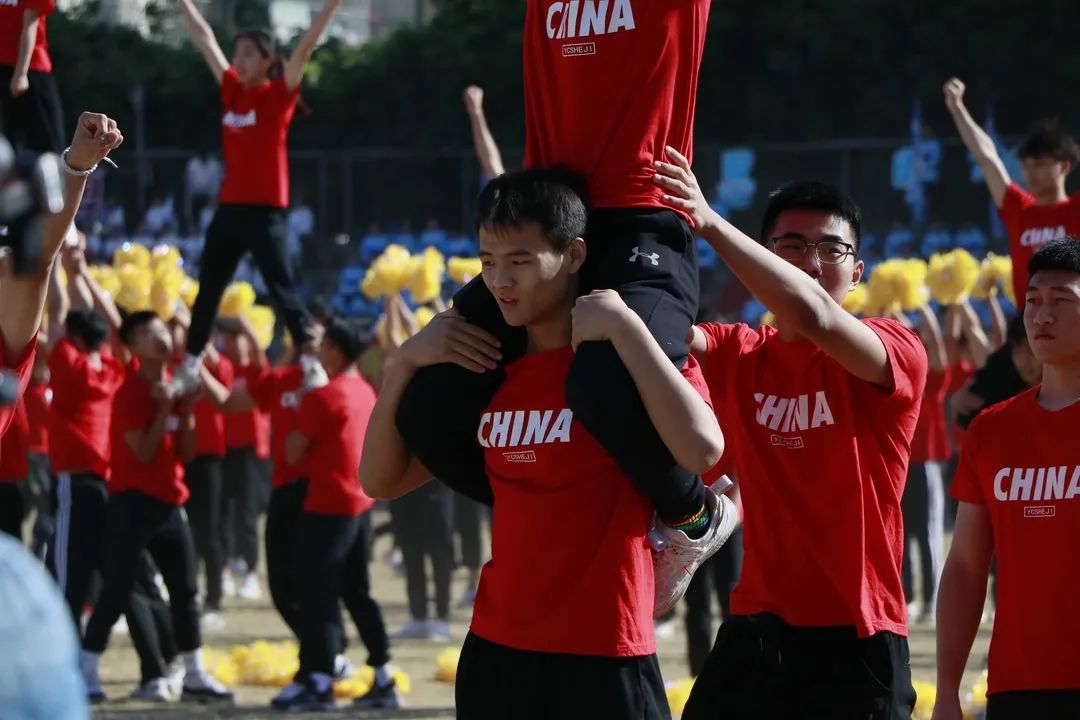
(247, 622)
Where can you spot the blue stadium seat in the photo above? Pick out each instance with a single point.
(350, 279)
(371, 246)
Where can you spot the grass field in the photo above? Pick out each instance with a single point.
(247, 622)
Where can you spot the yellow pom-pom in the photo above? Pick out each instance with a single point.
(767, 318)
(189, 290)
(424, 315)
(678, 693)
(131, 254)
(855, 301)
(261, 319)
(106, 278)
(425, 283)
(927, 695)
(952, 276)
(994, 274)
(881, 289)
(446, 665)
(462, 270)
(163, 301)
(389, 273)
(164, 258)
(911, 284)
(238, 299)
(133, 294)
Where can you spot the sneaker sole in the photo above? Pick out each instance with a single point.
(203, 698)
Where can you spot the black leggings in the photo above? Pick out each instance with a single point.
(35, 120)
(423, 529)
(235, 231)
(650, 258)
(332, 564)
(204, 509)
(282, 517)
(242, 500)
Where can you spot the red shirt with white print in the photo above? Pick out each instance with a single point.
(209, 421)
(1022, 463)
(1031, 226)
(629, 69)
(254, 128)
(821, 458)
(334, 419)
(277, 391)
(134, 409)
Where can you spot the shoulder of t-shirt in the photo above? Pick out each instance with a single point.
(718, 335)
(1016, 198)
(906, 352)
(230, 84)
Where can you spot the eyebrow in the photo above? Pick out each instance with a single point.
(1056, 288)
(512, 253)
(799, 236)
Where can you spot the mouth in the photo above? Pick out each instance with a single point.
(1044, 336)
(507, 303)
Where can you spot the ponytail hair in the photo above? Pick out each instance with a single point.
(264, 43)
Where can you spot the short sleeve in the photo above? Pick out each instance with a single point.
(1016, 200)
(965, 485)
(230, 87)
(283, 97)
(725, 341)
(907, 357)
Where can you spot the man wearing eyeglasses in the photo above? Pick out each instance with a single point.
(822, 408)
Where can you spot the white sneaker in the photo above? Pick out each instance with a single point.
(676, 557)
(156, 690)
(438, 630)
(175, 674)
(343, 668)
(314, 373)
(251, 590)
(413, 630)
(228, 584)
(201, 687)
(121, 626)
(212, 621)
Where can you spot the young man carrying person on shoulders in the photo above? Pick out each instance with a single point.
(822, 409)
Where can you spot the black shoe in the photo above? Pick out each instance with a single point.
(384, 697)
(306, 700)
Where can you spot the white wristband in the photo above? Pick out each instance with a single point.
(72, 171)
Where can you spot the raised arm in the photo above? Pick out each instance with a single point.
(56, 307)
(22, 297)
(203, 36)
(20, 81)
(684, 420)
(387, 469)
(978, 345)
(933, 339)
(789, 293)
(977, 141)
(487, 150)
(297, 62)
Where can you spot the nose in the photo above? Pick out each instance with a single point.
(810, 264)
(501, 277)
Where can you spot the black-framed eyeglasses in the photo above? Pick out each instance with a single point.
(794, 249)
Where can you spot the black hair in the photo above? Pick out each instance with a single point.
(349, 336)
(1047, 139)
(812, 195)
(88, 326)
(133, 322)
(320, 308)
(553, 198)
(1016, 332)
(1061, 254)
(264, 42)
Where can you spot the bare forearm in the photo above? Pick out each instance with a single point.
(217, 393)
(197, 27)
(103, 303)
(930, 331)
(686, 424)
(961, 596)
(982, 148)
(998, 323)
(57, 305)
(487, 150)
(978, 343)
(318, 27)
(27, 40)
(386, 457)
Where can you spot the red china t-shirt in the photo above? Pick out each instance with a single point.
(1022, 463)
(608, 86)
(38, 399)
(209, 421)
(1031, 226)
(254, 128)
(821, 458)
(134, 408)
(931, 440)
(11, 19)
(82, 408)
(334, 418)
(587, 589)
(277, 393)
(14, 446)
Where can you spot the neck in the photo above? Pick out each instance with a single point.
(1052, 197)
(152, 370)
(553, 332)
(343, 370)
(1060, 385)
